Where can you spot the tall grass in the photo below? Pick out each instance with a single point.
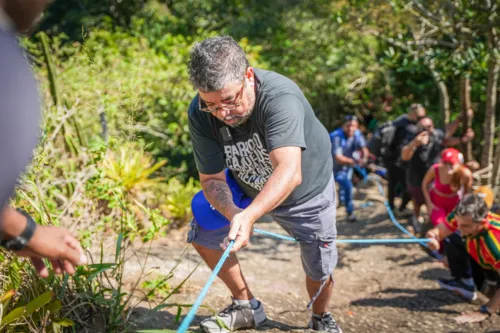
(110, 191)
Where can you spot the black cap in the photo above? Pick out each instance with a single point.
(349, 118)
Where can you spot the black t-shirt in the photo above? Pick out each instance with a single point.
(424, 157)
(282, 117)
(404, 128)
(19, 114)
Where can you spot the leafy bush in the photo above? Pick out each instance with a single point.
(93, 172)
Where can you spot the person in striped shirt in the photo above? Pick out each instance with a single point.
(480, 230)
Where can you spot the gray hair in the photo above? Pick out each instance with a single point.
(215, 62)
(474, 205)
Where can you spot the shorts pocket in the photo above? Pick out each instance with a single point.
(328, 255)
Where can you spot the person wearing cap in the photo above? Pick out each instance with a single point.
(444, 184)
(347, 141)
(19, 132)
(475, 262)
(259, 149)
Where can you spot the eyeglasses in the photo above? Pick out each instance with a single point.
(235, 103)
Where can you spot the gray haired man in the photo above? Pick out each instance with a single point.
(259, 149)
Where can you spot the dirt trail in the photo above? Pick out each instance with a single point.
(383, 288)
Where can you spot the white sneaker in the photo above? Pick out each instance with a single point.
(235, 317)
(324, 323)
(457, 286)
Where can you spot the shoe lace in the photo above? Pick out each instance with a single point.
(231, 308)
(329, 323)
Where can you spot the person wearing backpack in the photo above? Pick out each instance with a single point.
(346, 141)
(393, 137)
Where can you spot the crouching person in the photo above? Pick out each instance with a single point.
(474, 263)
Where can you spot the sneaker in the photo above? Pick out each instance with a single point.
(324, 323)
(417, 223)
(405, 212)
(352, 218)
(235, 317)
(457, 286)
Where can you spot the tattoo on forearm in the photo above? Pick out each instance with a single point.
(218, 194)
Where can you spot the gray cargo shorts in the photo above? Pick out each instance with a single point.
(312, 223)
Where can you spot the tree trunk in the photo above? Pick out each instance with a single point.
(444, 101)
(465, 103)
(444, 98)
(489, 120)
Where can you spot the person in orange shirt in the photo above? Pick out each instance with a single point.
(480, 229)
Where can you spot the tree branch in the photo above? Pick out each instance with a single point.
(417, 5)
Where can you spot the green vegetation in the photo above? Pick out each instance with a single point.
(115, 159)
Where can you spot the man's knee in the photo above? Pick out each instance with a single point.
(209, 239)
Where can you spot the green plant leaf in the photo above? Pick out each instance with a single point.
(14, 315)
(65, 322)
(98, 269)
(64, 285)
(15, 277)
(179, 313)
(39, 302)
(118, 246)
(56, 328)
(221, 323)
(179, 286)
(54, 307)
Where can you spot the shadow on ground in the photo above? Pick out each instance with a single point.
(422, 300)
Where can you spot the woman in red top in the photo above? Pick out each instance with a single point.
(444, 185)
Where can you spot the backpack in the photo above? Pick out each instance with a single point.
(382, 140)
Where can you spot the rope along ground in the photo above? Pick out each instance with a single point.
(192, 312)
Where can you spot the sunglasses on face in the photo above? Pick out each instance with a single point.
(230, 106)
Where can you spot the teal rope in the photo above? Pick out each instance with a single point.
(350, 241)
(192, 312)
(388, 207)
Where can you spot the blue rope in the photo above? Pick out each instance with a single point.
(350, 241)
(272, 234)
(387, 206)
(192, 312)
(366, 204)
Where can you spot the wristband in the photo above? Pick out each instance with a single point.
(18, 243)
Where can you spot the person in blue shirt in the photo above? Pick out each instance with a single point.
(347, 142)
